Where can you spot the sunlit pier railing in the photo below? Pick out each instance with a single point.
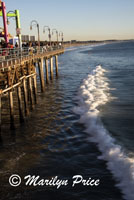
(7, 54)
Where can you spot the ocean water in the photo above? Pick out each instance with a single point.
(83, 125)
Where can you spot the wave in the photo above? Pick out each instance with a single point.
(83, 47)
(70, 49)
(93, 93)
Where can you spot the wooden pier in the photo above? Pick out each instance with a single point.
(18, 75)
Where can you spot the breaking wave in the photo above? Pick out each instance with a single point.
(92, 94)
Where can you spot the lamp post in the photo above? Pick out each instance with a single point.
(35, 23)
(61, 34)
(54, 30)
(9, 12)
(15, 14)
(49, 35)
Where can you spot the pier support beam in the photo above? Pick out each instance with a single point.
(20, 104)
(0, 111)
(41, 74)
(25, 98)
(46, 66)
(51, 68)
(35, 89)
(56, 65)
(11, 110)
(31, 93)
(10, 94)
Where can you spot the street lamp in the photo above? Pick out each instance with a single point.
(35, 23)
(54, 30)
(49, 35)
(8, 22)
(16, 15)
(61, 34)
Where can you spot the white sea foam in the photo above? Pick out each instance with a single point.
(93, 93)
(85, 47)
(70, 49)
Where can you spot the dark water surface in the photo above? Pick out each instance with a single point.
(54, 143)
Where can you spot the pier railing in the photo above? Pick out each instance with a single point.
(7, 54)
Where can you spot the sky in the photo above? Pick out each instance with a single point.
(77, 19)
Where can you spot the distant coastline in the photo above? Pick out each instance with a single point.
(81, 43)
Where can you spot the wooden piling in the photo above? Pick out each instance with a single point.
(41, 74)
(20, 104)
(51, 68)
(27, 81)
(35, 89)
(11, 109)
(31, 93)
(0, 112)
(46, 66)
(56, 65)
(10, 94)
(25, 98)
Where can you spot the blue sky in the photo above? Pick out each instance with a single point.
(78, 19)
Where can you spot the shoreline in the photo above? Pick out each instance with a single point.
(86, 44)
(79, 43)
